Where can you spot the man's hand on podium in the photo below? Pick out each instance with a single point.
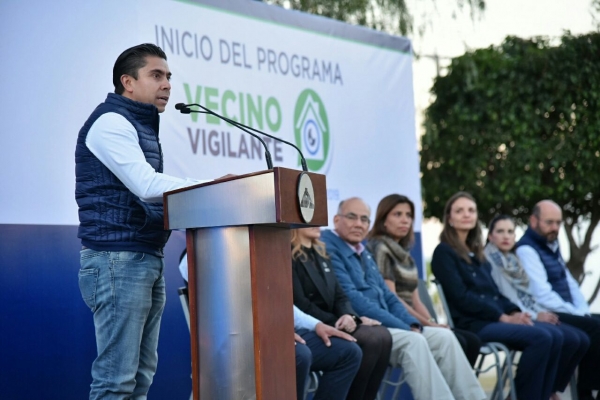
(225, 176)
(325, 332)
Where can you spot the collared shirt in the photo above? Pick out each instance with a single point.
(114, 141)
(358, 249)
(541, 288)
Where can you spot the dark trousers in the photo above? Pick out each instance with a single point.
(575, 344)
(303, 363)
(376, 344)
(539, 359)
(470, 344)
(339, 364)
(589, 368)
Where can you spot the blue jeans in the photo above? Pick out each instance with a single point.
(303, 363)
(126, 292)
(339, 364)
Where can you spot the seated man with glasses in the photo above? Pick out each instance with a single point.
(434, 364)
(556, 290)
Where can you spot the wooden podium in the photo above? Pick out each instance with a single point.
(240, 280)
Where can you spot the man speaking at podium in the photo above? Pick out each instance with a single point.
(119, 189)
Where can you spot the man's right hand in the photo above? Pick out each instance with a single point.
(325, 332)
(517, 318)
(298, 338)
(225, 176)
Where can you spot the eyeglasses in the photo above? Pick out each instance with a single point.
(551, 222)
(353, 217)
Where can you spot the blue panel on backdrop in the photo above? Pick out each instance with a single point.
(47, 333)
(417, 253)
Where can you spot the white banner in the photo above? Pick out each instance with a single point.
(342, 94)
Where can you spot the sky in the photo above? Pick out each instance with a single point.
(449, 37)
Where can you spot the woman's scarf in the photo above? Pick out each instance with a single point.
(396, 264)
(514, 273)
(399, 253)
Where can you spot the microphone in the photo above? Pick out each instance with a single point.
(182, 107)
(185, 109)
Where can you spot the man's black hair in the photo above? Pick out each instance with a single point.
(131, 60)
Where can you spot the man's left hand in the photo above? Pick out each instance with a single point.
(325, 332)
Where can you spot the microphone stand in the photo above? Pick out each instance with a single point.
(240, 125)
(184, 109)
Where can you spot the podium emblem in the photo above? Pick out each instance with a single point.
(306, 197)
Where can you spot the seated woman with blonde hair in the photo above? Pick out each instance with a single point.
(318, 293)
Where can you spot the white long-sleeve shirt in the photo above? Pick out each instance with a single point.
(303, 320)
(114, 141)
(541, 288)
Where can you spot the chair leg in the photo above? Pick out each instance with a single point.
(573, 385)
(498, 387)
(387, 381)
(510, 377)
(503, 370)
(507, 372)
(480, 364)
(383, 385)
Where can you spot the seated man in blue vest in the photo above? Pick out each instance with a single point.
(556, 290)
(434, 364)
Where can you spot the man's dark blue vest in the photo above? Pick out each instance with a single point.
(111, 217)
(552, 260)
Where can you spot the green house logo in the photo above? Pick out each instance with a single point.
(311, 130)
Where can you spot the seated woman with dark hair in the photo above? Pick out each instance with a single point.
(476, 304)
(513, 282)
(390, 240)
(317, 293)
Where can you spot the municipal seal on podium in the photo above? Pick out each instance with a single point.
(306, 197)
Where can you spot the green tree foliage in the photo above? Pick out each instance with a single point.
(515, 124)
(392, 16)
(595, 12)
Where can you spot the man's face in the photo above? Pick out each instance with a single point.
(352, 224)
(548, 222)
(152, 85)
